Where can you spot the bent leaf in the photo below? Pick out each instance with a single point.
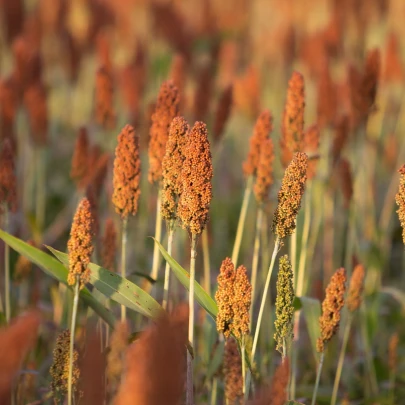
(202, 297)
(55, 269)
(117, 288)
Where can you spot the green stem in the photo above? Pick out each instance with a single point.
(72, 340)
(190, 393)
(341, 359)
(255, 261)
(206, 259)
(123, 261)
(318, 377)
(166, 286)
(40, 202)
(242, 219)
(158, 237)
(7, 267)
(214, 391)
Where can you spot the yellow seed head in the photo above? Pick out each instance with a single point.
(400, 200)
(356, 286)
(242, 299)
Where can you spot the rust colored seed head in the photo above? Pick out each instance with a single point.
(400, 200)
(311, 146)
(279, 385)
(242, 299)
(233, 373)
(196, 192)
(340, 137)
(178, 74)
(290, 195)
(80, 245)
(171, 167)
(8, 103)
(331, 308)
(8, 181)
(167, 108)
(224, 296)
(203, 92)
(261, 132)
(264, 172)
(327, 98)
(356, 286)
(109, 251)
(293, 119)
(104, 98)
(79, 168)
(393, 352)
(222, 114)
(284, 304)
(369, 81)
(127, 173)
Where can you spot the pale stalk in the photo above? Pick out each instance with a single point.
(40, 201)
(166, 287)
(341, 359)
(72, 340)
(7, 267)
(206, 260)
(255, 260)
(190, 394)
(242, 353)
(123, 261)
(214, 392)
(318, 376)
(158, 237)
(242, 219)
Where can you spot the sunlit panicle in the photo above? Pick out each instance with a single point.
(264, 173)
(400, 200)
(242, 299)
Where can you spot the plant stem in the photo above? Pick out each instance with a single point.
(206, 259)
(72, 340)
(318, 377)
(166, 286)
(242, 219)
(40, 201)
(190, 394)
(214, 391)
(7, 267)
(341, 359)
(242, 354)
(158, 237)
(255, 260)
(123, 261)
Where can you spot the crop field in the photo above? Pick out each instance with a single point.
(202, 202)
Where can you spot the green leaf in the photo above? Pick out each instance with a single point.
(55, 269)
(293, 403)
(202, 297)
(311, 309)
(397, 294)
(117, 288)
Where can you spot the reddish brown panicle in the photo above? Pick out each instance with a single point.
(356, 286)
(264, 173)
(222, 113)
(233, 373)
(109, 244)
(105, 115)
(79, 166)
(8, 180)
(311, 148)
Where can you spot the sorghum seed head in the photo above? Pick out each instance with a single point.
(370, 79)
(171, 167)
(233, 373)
(264, 173)
(127, 173)
(340, 137)
(290, 195)
(178, 74)
(79, 167)
(242, 299)
(292, 130)
(393, 352)
(222, 113)
(224, 297)
(400, 200)
(279, 385)
(167, 108)
(8, 180)
(261, 132)
(354, 295)
(196, 175)
(284, 304)
(331, 307)
(311, 147)
(327, 102)
(80, 245)
(59, 370)
(109, 244)
(104, 98)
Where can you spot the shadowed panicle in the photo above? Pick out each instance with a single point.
(241, 301)
(370, 79)
(80, 167)
(203, 92)
(222, 113)
(109, 249)
(292, 130)
(311, 148)
(284, 304)
(393, 352)
(8, 180)
(80, 245)
(8, 105)
(327, 98)
(261, 132)
(264, 173)
(127, 173)
(59, 370)
(156, 363)
(97, 172)
(290, 195)
(105, 115)
(400, 200)
(178, 74)
(224, 296)
(171, 167)
(196, 192)
(331, 308)
(340, 137)
(167, 108)
(354, 295)
(233, 373)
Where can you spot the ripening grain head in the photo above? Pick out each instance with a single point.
(264, 172)
(79, 166)
(109, 245)
(311, 148)
(233, 373)
(400, 200)
(241, 301)
(105, 115)
(8, 180)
